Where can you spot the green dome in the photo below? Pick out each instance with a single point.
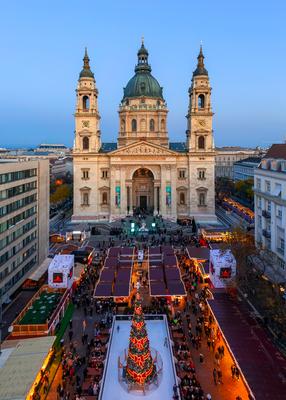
(143, 83)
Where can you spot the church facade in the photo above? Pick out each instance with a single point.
(144, 170)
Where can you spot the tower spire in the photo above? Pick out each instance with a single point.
(142, 54)
(86, 71)
(200, 70)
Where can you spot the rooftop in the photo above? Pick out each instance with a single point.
(277, 151)
(249, 160)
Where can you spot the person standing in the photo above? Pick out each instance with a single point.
(215, 376)
(219, 376)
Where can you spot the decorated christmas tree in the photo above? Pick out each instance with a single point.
(140, 367)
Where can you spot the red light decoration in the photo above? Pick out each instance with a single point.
(140, 367)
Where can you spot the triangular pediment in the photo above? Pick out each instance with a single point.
(143, 148)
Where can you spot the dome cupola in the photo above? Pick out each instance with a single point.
(143, 84)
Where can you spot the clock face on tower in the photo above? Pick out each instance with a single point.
(85, 124)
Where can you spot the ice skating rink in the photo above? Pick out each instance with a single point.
(112, 389)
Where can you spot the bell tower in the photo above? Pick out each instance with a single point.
(200, 115)
(87, 133)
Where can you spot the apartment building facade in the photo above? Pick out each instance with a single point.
(24, 221)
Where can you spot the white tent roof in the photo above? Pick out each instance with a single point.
(37, 274)
(22, 365)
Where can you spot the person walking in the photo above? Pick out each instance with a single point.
(70, 335)
(233, 369)
(219, 376)
(201, 358)
(166, 342)
(215, 376)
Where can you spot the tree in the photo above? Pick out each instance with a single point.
(61, 193)
(140, 367)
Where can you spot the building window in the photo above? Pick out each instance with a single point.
(123, 125)
(85, 103)
(268, 205)
(182, 174)
(201, 101)
(85, 174)
(259, 221)
(85, 143)
(281, 263)
(85, 199)
(134, 125)
(279, 213)
(202, 199)
(258, 202)
(163, 125)
(152, 125)
(104, 198)
(267, 186)
(258, 183)
(201, 142)
(182, 198)
(104, 173)
(201, 174)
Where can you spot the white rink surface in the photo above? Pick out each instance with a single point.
(112, 389)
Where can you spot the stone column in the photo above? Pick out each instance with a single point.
(112, 191)
(123, 193)
(163, 207)
(174, 191)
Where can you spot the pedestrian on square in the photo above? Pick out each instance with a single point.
(219, 376)
(70, 335)
(209, 343)
(215, 376)
(201, 358)
(233, 370)
(237, 373)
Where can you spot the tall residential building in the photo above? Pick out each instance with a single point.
(270, 206)
(24, 221)
(227, 156)
(143, 170)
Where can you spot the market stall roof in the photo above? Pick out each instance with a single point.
(22, 366)
(107, 275)
(157, 288)
(167, 250)
(103, 289)
(170, 261)
(154, 250)
(121, 289)
(201, 253)
(156, 274)
(111, 262)
(176, 288)
(172, 274)
(42, 268)
(123, 275)
(127, 251)
(113, 251)
(263, 366)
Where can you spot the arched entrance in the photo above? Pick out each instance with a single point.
(143, 190)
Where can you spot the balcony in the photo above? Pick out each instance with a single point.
(266, 214)
(280, 250)
(266, 234)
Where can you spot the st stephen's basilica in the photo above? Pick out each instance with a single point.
(144, 170)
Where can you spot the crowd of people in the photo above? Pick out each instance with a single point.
(189, 321)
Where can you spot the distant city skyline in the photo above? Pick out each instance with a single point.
(43, 46)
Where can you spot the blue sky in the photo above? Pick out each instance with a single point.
(42, 45)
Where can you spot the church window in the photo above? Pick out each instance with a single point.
(123, 125)
(143, 125)
(181, 173)
(162, 124)
(202, 199)
(152, 125)
(104, 198)
(85, 103)
(85, 174)
(201, 174)
(201, 101)
(182, 198)
(85, 143)
(134, 125)
(85, 199)
(104, 173)
(201, 142)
